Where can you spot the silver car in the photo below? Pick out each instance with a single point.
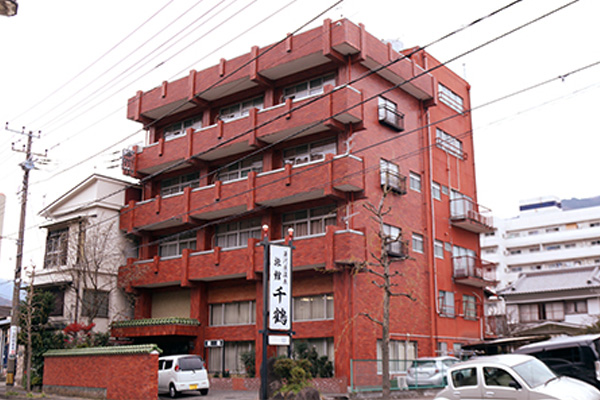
(512, 376)
(181, 373)
(429, 371)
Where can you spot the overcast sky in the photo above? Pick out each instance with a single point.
(68, 67)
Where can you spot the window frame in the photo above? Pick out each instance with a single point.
(320, 82)
(449, 143)
(241, 109)
(415, 182)
(328, 310)
(173, 245)
(310, 218)
(57, 248)
(240, 169)
(218, 310)
(388, 114)
(175, 185)
(309, 152)
(416, 239)
(243, 229)
(447, 308)
(450, 98)
(179, 128)
(102, 304)
(469, 307)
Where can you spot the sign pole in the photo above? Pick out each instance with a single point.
(263, 368)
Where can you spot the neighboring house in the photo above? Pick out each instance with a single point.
(553, 302)
(84, 248)
(295, 140)
(548, 234)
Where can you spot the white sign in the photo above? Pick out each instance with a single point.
(213, 343)
(280, 287)
(278, 340)
(12, 342)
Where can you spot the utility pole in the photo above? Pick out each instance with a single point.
(27, 166)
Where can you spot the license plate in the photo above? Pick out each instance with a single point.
(193, 387)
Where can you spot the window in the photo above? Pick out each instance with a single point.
(436, 191)
(178, 129)
(178, 183)
(389, 115)
(469, 307)
(95, 304)
(449, 98)
(528, 313)
(59, 301)
(323, 346)
(394, 239)
(553, 247)
(240, 109)
(173, 245)
(446, 191)
(446, 304)
(554, 311)
(306, 153)
(235, 313)
(308, 88)
(498, 377)
(595, 242)
(229, 357)
(553, 229)
(449, 143)
(576, 307)
(417, 243)
(401, 355)
(56, 248)
(438, 249)
(309, 222)
(415, 182)
(390, 176)
(310, 308)
(236, 234)
(240, 169)
(448, 247)
(464, 377)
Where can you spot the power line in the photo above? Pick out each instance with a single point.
(453, 59)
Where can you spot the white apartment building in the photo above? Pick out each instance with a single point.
(84, 249)
(547, 234)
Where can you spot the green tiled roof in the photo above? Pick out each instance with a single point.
(100, 351)
(156, 321)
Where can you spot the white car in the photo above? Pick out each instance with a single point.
(512, 376)
(429, 371)
(182, 373)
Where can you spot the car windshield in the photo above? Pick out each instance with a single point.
(534, 372)
(191, 363)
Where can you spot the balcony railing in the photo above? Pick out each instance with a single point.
(394, 182)
(468, 215)
(472, 271)
(391, 117)
(333, 176)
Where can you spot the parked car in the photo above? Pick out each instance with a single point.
(512, 376)
(574, 356)
(429, 371)
(180, 373)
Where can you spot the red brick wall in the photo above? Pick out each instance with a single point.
(124, 377)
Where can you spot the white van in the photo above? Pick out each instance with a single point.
(181, 373)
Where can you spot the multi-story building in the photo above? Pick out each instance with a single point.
(547, 234)
(303, 134)
(84, 248)
(545, 256)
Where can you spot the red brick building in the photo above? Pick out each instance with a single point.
(302, 134)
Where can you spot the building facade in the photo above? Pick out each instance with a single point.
(545, 242)
(84, 249)
(304, 134)
(547, 234)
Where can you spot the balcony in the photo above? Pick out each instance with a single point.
(289, 119)
(334, 176)
(472, 271)
(329, 250)
(468, 215)
(334, 41)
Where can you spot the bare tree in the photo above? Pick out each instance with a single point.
(384, 278)
(96, 254)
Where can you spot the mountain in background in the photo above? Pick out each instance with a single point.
(574, 203)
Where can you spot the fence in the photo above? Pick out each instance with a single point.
(365, 375)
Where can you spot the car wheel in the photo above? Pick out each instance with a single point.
(172, 391)
(203, 392)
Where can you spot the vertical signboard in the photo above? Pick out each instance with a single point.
(280, 287)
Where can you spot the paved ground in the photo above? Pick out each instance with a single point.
(17, 393)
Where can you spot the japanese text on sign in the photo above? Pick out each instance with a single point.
(280, 287)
